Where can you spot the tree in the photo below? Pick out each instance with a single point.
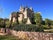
(51, 22)
(48, 22)
(43, 22)
(1, 22)
(24, 20)
(7, 24)
(38, 18)
(1, 19)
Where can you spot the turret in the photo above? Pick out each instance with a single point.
(21, 9)
(31, 8)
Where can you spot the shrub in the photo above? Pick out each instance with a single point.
(2, 24)
(27, 27)
(46, 27)
(24, 20)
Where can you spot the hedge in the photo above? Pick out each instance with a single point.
(27, 27)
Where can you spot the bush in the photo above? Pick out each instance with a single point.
(46, 27)
(27, 27)
(24, 21)
(40, 28)
(2, 24)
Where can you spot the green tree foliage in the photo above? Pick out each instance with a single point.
(51, 22)
(14, 24)
(1, 19)
(38, 18)
(43, 22)
(47, 22)
(24, 20)
(2, 23)
(7, 24)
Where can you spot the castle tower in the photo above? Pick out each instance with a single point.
(21, 9)
(10, 17)
(24, 13)
(20, 18)
(31, 8)
(28, 21)
(13, 17)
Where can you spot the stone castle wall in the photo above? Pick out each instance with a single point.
(33, 35)
(28, 35)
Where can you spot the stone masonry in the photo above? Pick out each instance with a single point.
(28, 35)
(32, 35)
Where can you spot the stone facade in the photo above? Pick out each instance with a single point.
(24, 13)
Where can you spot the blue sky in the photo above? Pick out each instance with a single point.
(43, 6)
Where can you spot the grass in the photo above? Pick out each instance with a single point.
(8, 37)
(48, 30)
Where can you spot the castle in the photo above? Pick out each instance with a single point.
(25, 13)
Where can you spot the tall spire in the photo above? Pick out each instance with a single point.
(31, 8)
(21, 9)
(21, 6)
